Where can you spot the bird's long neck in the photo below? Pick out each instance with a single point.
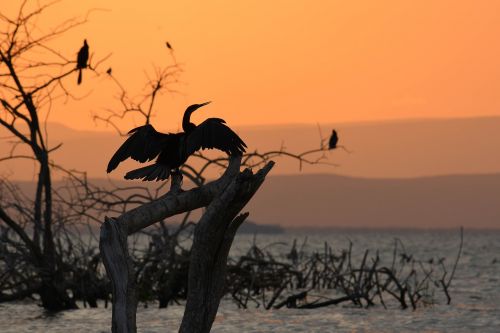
(187, 125)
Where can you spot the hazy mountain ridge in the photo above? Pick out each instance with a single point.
(427, 202)
(389, 149)
(472, 201)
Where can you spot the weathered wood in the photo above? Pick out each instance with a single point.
(213, 237)
(212, 241)
(175, 202)
(119, 267)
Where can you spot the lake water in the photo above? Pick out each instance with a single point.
(475, 293)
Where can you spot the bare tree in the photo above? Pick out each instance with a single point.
(32, 77)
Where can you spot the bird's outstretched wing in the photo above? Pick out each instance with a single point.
(143, 145)
(213, 133)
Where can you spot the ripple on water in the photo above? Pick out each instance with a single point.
(474, 308)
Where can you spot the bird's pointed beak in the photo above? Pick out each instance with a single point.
(202, 104)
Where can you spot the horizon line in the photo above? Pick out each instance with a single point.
(315, 124)
(314, 174)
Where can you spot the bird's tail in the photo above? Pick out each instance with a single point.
(79, 76)
(151, 172)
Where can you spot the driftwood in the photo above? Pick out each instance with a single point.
(224, 198)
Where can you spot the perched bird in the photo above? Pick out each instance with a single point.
(334, 139)
(173, 149)
(109, 71)
(169, 46)
(82, 59)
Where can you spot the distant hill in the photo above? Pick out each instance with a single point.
(391, 149)
(250, 227)
(472, 201)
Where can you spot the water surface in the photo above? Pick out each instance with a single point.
(475, 293)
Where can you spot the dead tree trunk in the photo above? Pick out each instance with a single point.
(224, 199)
(114, 252)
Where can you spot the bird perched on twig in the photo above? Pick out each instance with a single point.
(172, 150)
(82, 59)
(333, 143)
(169, 46)
(334, 139)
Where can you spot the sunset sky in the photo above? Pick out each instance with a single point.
(268, 62)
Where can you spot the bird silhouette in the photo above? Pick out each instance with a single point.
(169, 46)
(172, 150)
(82, 59)
(109, 71)
(334, 139)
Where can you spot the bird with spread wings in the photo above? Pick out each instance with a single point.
(172, 150)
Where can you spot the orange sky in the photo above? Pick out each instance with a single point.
(265, 62)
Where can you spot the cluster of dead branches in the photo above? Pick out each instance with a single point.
(74, 251)
(260, 278)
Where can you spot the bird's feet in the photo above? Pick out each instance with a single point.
(176, 182)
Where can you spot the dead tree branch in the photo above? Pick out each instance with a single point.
(224, 198)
